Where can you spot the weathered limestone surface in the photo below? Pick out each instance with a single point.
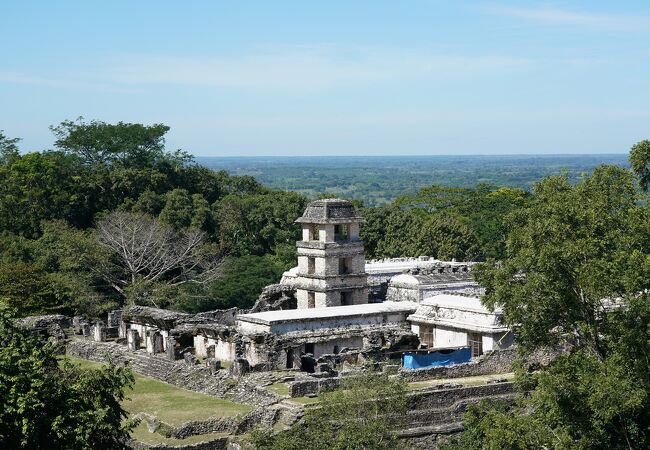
(275, 297)
(133, 340)
(99, 332)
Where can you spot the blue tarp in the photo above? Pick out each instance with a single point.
(421, 360)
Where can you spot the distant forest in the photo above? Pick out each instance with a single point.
(379, 180)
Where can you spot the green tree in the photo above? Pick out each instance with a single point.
(576, 272)
(257, 224)
(8, 149)
(364, 414)
(45, 405)
(445, 237)
(640, 161)
(26, 289)
(100, 143)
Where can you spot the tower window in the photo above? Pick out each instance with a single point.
(346, 298)
(345, 266)
(313, 232)
(342, 232)
(311, 265)
(311, 299)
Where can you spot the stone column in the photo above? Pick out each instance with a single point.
(121, 329)
(171, 348)
(99, 332)
(157, 345)
(133, 340)
(76, 324)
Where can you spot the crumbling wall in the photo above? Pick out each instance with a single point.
(276, 297)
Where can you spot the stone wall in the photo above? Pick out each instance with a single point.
(220, 443)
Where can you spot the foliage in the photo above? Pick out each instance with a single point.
(640, 161)
(258, 224)
(570, 249)
(45, 406)
(363, 414)
(576, 273)
(243, 279)
(461, 223)
(8, 149)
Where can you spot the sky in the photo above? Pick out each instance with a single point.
(410, 77)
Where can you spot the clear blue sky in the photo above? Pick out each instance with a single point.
(334, 77)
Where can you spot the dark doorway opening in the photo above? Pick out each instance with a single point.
(290, 358)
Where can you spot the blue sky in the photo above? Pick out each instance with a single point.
(334, 77)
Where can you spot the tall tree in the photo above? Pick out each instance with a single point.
(148, 254)
(96, 142)
(640, 161)
(576, 273)
(8, 149)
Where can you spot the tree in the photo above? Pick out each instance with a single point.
(258, 224)
(364, 414)
(576, 272)
(100, 143)
(26, 289)
(640, 161)
(148, 254)
(445, 237)
(8, 149)
(45, 405)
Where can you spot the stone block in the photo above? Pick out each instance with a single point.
(239, 367)
(214, 365)
(190, 359)
(114, 318)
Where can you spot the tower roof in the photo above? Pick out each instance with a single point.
(330, 210)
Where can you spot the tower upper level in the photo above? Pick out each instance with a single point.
(330, 220)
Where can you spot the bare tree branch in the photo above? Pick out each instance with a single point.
(146, 250)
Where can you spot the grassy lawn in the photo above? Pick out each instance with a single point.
(169, 403)
(279, 388)
(304, 400)
(466, 381)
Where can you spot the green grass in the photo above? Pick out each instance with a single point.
(304, 400)
(279, 388)
(169, 403)
(141, 433)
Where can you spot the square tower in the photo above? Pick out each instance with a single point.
(331, 258)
